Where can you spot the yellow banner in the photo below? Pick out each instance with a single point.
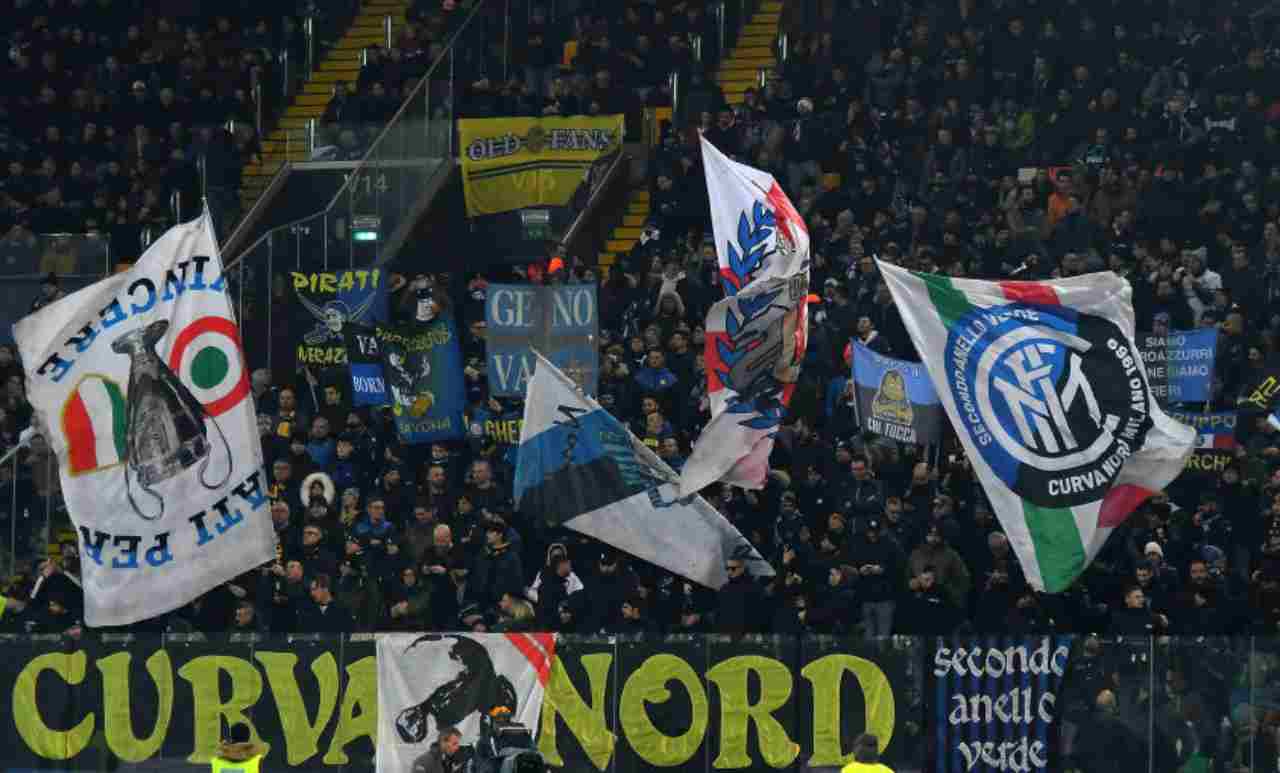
(513, 163)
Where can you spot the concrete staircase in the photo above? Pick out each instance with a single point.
(739, 71)
(626, 234)
(287, 142)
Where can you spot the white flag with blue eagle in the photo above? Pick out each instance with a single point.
(757, 334)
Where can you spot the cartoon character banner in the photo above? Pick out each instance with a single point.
(323, 303)
(140, 386)
(430, 682)
(422, 369)
(895, 397)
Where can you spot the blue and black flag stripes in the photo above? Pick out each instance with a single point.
(579, 467)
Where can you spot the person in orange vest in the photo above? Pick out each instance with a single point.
(238, 753)
(866, 756)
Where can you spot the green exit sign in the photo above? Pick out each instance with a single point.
(536, 224)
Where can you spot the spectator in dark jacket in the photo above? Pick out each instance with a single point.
(498, 569)
(320, 613)
(739, 602)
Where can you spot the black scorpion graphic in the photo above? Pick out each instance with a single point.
(479, 688)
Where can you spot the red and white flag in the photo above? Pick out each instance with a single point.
(757, 334)
(430, 682)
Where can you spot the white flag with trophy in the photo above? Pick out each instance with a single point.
(140, 385)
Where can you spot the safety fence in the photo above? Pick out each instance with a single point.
(686, 703)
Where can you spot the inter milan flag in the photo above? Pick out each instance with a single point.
(581, 468)
(895, 397)
(1048, 394)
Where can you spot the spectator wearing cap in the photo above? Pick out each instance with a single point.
(1165, 574)
(498, 567)
(396, 492)
(555, 583)
(948, 568)
(879, 564)
(347, 469)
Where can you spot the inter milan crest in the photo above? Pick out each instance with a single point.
(1055, 400)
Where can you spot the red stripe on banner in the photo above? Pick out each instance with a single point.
(711, 356)
(1222, 440)
(546, 642)
(536, 657)
(1030, 292)
(1119, 503)
(77, 426)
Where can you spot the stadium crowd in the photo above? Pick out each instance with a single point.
(1001, 139)
(109, 106)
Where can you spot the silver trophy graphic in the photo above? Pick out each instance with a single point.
(165, 432)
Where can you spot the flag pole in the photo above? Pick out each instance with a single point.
(853, 381)
(13, 511)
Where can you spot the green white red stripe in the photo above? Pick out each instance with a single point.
(1053, 544)
(94, 420)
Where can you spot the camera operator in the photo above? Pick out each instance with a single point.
(444, 756)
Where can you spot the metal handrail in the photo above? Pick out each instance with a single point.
(387, 23)
(309, 29)
(588, 209)
(424, 83)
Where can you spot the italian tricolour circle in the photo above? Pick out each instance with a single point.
(208, 358)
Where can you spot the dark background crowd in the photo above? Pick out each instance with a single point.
(1009, 138)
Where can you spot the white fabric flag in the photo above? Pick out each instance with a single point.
(1050, 398)
(140, 386)
(430, 682)
(757, 334)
